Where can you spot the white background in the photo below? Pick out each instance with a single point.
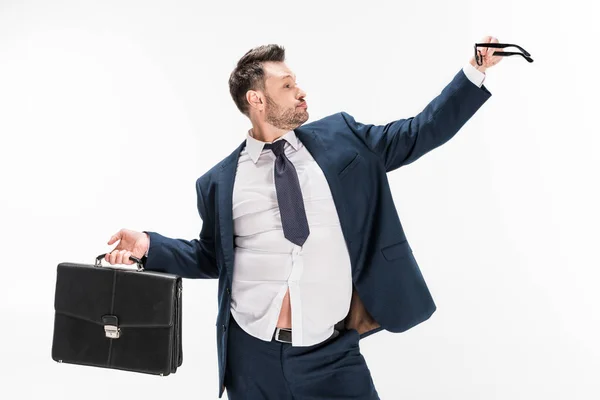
(110, 110)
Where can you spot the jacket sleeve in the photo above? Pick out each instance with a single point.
(403, 141)
(187, 258)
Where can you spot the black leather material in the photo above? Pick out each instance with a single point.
(286, 335)
(283, 335)
(143, 306)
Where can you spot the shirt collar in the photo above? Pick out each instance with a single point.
(255, 146)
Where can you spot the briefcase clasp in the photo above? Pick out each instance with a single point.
(112, 331)
(111, 326)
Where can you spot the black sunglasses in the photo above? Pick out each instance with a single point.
(479, 58)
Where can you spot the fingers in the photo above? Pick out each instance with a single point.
(486, 39)
(487, 53)
(118, 257)
(493, 40)
(121, 253)
(125, 258)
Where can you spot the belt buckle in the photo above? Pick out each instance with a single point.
(277, 330)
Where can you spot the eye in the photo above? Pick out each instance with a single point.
(287, 85)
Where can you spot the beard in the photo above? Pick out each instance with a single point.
(284, 118)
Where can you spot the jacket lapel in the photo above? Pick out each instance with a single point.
(323, 157)
(224, 206)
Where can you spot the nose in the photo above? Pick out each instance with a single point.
(301, 93)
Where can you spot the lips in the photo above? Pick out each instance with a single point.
(303, 105)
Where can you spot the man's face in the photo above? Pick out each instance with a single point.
(283, 97)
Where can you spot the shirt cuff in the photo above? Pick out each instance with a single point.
(474, 75)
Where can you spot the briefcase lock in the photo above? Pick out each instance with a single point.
(111, 326)
(112, 331)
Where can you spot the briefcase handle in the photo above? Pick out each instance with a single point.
(140, 267)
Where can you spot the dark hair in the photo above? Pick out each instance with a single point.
(249, 73)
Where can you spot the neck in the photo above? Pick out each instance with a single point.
(266, 132)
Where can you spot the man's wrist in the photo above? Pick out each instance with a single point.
(479, 68)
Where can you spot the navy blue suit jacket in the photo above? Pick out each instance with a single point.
(389, 290)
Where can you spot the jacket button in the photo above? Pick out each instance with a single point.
(228, 292)
(224, 328)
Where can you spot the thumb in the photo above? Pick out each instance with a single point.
(114, 238)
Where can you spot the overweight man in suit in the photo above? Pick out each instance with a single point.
(300, 229)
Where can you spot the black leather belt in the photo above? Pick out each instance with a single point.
(284, 335)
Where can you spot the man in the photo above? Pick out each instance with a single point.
(300, 228)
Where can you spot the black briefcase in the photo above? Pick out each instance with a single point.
(110, 317)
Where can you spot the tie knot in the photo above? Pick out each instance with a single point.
(276, 146)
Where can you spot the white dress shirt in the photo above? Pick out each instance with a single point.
(318, 274)
(266, 264)
(474, 75)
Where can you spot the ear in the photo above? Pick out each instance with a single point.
(255, 99)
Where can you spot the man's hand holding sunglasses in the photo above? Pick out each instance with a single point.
(488, 59)
(489, 52)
